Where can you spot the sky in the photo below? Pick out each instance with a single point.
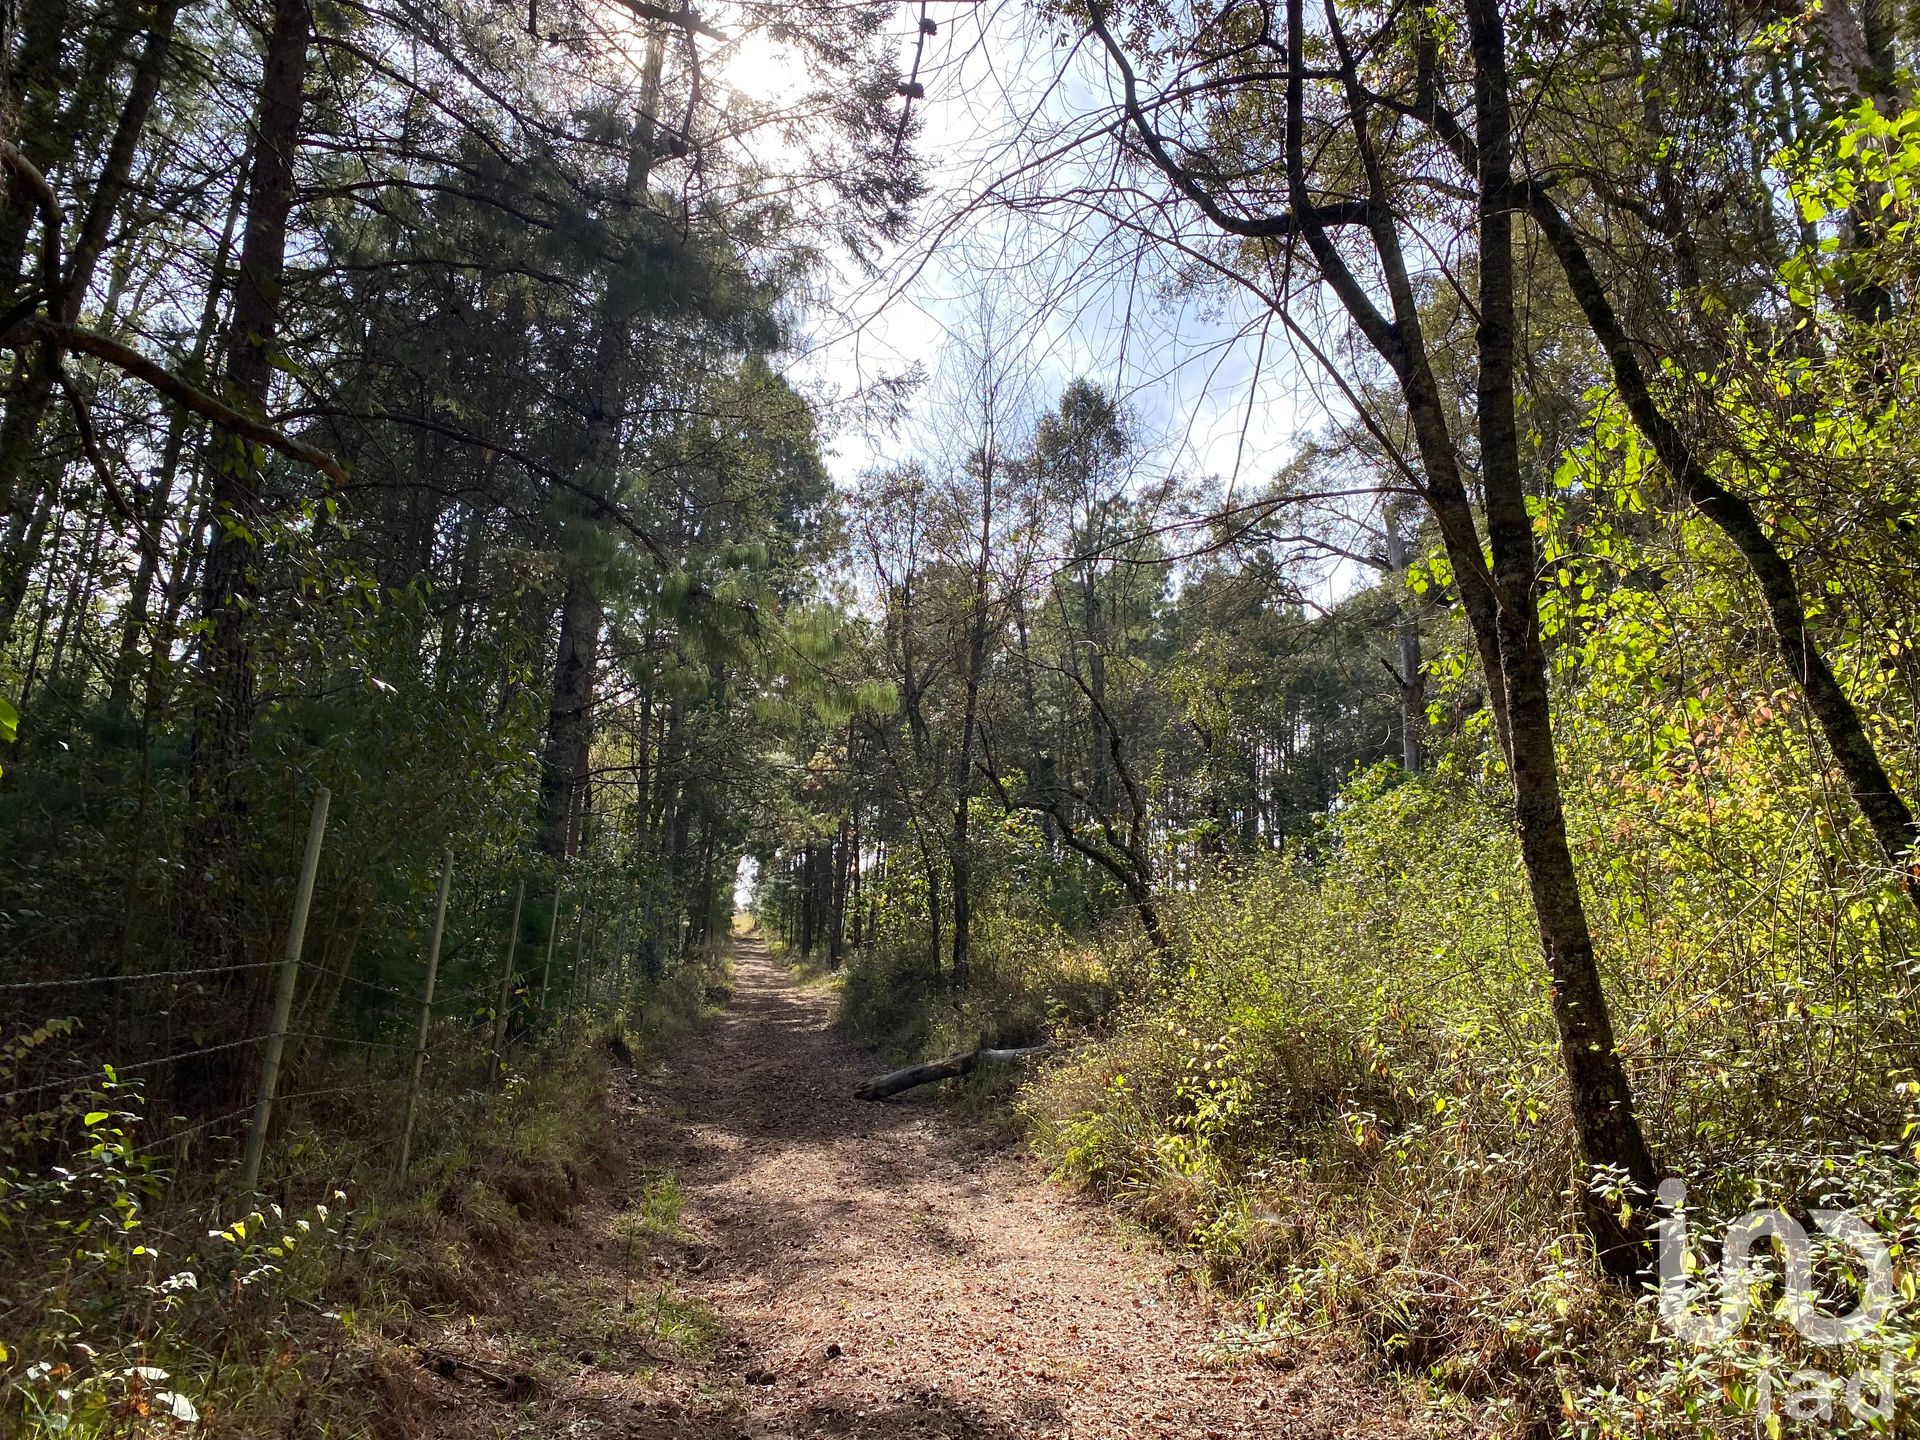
(1001, 245)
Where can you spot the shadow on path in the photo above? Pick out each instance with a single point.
(856, 1270)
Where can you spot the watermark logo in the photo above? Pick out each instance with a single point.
(1745, 1264)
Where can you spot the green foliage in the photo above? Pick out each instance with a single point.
(114, 1304)
(132, 1293)
(1353, 1089)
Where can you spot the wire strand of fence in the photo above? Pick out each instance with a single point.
(346, 1040)
(372, 985)
(93, 1077)
(175, 1136)
(134, 978)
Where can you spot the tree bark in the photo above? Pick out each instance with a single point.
(1499, 600)
(209, 893)
(223, 718)
(1599, 1093)
(27, 407)
(29, 109)
(134, 622)
(1406, 637)
(569, 719)
(961, 862)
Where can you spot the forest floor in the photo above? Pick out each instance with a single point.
(769, 1257)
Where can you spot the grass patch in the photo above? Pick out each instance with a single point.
(658, 1211)
(689, 1324)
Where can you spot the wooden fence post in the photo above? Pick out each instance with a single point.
(553, 929)
(426, 1015)
(506, 983)
(283, 994)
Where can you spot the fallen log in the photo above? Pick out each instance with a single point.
(882, 1087)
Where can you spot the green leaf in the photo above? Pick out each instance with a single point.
(94, 1117)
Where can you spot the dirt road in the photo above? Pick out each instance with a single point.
(846, 1269)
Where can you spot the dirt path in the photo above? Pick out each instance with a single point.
(847, 1269)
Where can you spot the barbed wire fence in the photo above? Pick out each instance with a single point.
(469, 1031)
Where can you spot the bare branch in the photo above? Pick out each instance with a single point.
(188, 396)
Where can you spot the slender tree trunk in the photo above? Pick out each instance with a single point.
(681, 858)
(931, 868)
(856, 886)
(43, 615)
(79, 587)
(26, 409)
(29, 110)
(570, 719)
(1091, 619)
(921, 732)
(195, 523)
(1599, 1092)
(1887, 814)
(1406, 635)
(178, 427)
(644, 760)
(16, 572)
(1036, 762)
(208, 892)
(837, 928)
(962, 859)
(807, 913)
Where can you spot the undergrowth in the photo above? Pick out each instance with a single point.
(138, 1299)
(1345, 1102)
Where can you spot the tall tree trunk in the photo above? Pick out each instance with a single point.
(43, 613)
(1036, 759)
(856, 886)
(1406, 636)
(1599, 1092)
(1092, 624)
(79, 587)
(27, 532)
(680, 857)
(180, 585)
(807, 916)
(1885, 811)
(961, 862)
(570, 719)
(178, 426)
(930, 867)
(912, 692)
(29, 109)
(1499, 600)
(224, 700)
(837, 926)
(27, 407)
